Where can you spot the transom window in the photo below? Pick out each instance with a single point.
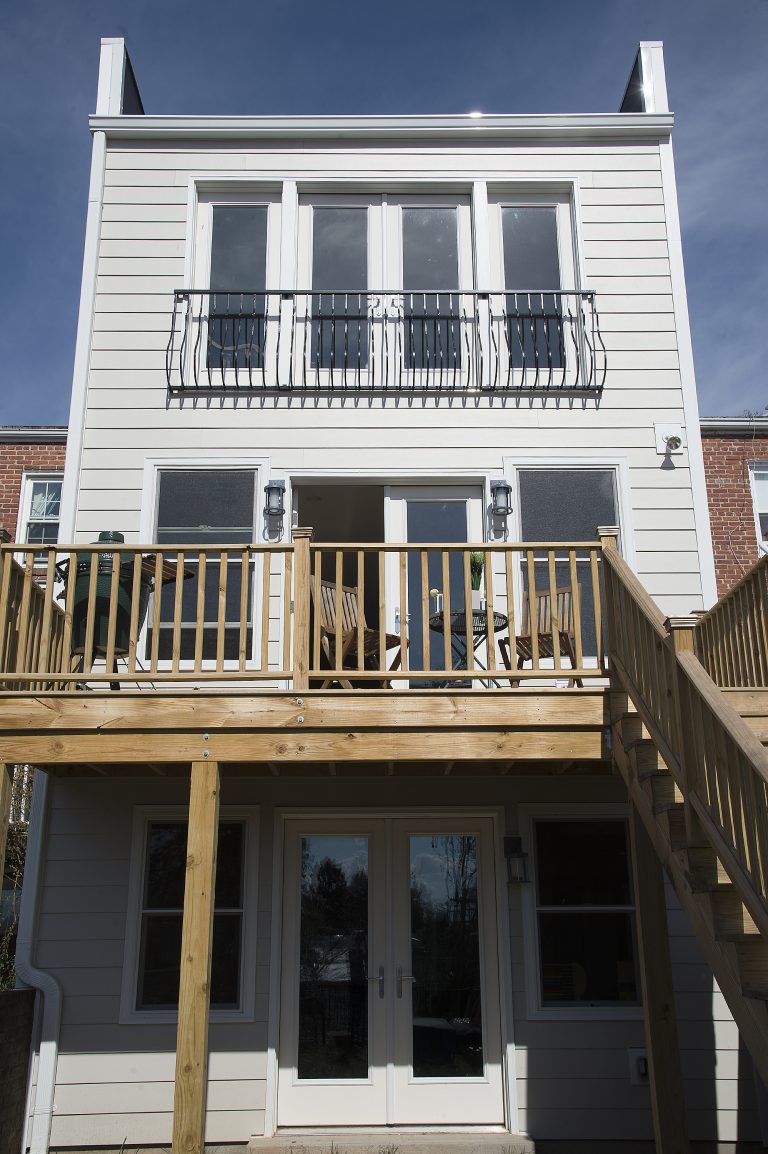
(585, 913)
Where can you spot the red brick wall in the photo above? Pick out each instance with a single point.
(726, 464)
(17, 458)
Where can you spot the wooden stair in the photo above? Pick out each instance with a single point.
(732, 944)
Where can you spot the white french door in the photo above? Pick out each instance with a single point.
(421, 514)
(390, 983)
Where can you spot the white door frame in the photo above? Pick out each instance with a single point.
(504, 960)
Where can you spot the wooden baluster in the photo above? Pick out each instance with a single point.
(576, 609)
(510, 588)
(301, 577)
(157, 598)
(266, 581)
(425, 639)
(533, 612)
(44, 656)
(114, 595)
(287, 590)
(339, 612)
(360, 609)
(317, 580)
(446, 577)
(682, 637)
(245, 583)
(403, 566)
(489, 610)
(221, 616)
(554, 617)
(202, 561)
(597, 602)
(383, 613)
(177, 609)
(6, 614)
(468, 618)
(133, 626)
(69, 602)
(90, 618)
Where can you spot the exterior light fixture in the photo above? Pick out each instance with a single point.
(274, 505)
(673, 442)
(501, 499)
(516, 859)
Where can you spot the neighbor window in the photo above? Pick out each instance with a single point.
(206, 507)
(41, 509)
(162, 905)
(585, 913)
(759, 478)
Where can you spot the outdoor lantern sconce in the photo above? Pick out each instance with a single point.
(501, 499)
(517, 860)
(274, 507)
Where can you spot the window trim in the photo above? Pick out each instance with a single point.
(528, 815)
(757, 466)
(142, 816)
(28, 480)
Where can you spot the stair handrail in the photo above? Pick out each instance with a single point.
(732, 636)
(722, 772)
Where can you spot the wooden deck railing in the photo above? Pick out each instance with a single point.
(111, 614)
(732, 638)
(717, 762)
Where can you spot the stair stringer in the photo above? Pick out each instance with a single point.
(666, 830)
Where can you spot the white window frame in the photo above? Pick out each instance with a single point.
(528, 815)
(28, 481)
(143, 815)
(148, 532)
(757, 467)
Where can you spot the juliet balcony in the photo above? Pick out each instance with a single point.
(384, 342)
(298, 615)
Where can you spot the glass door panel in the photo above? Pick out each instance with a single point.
(432, 339)
(339, 284)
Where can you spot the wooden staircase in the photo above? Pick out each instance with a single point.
(693, 757)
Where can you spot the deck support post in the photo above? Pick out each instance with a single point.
(301, 577)
(6, 789)
(683, 640)
(195, 971)
(666, 1081)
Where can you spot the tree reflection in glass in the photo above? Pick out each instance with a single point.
(333, 974)
(445, 957)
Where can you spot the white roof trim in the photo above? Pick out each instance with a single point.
(615, 125)
(734, 424)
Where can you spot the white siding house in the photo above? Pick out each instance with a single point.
(387, 315)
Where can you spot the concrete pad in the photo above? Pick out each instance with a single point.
(393, 1143)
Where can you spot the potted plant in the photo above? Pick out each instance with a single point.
(476, 563)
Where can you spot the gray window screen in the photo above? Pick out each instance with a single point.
(205, 507)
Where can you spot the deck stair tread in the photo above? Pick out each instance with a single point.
(396, 1142)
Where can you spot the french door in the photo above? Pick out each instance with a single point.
(390, 985)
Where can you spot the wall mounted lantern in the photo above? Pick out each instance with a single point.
(501, 498)
(274, 507)
(517, 860)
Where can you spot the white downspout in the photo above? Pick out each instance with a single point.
(40, 1111)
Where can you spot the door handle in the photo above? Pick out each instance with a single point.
(380, 981)
(401, 977)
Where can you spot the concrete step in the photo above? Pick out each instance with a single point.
(392, 1142)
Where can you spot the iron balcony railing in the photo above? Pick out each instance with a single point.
(384, 341)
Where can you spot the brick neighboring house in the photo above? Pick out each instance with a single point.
(30, 456)
(736, 468)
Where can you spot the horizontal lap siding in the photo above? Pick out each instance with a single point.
(624, 256)
(115, 1083)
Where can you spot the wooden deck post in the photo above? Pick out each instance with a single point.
(301, 595)
(666, 1082)
(6, 790)
(683, 639)
(195, 972)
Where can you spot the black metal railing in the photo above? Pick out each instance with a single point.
(384, 341)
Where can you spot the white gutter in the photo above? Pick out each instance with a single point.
(40, 1112)
(746, 425)
(616, 125)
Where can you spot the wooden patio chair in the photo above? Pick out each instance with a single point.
(351, 614)
(564, 624)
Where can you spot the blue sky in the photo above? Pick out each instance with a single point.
(405, 56)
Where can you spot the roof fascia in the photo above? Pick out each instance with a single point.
(56, 434)
(746, 426)
(615, 124)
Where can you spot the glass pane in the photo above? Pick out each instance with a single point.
(196, 505)
(237, 324)
(166, 865)
(445, 957)
(444, 521)
(587, 957)
(530, 248)
(566, 504)
(431, 262)
(333, 966)
(339, 280)
(582, 863)
(160, 956)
